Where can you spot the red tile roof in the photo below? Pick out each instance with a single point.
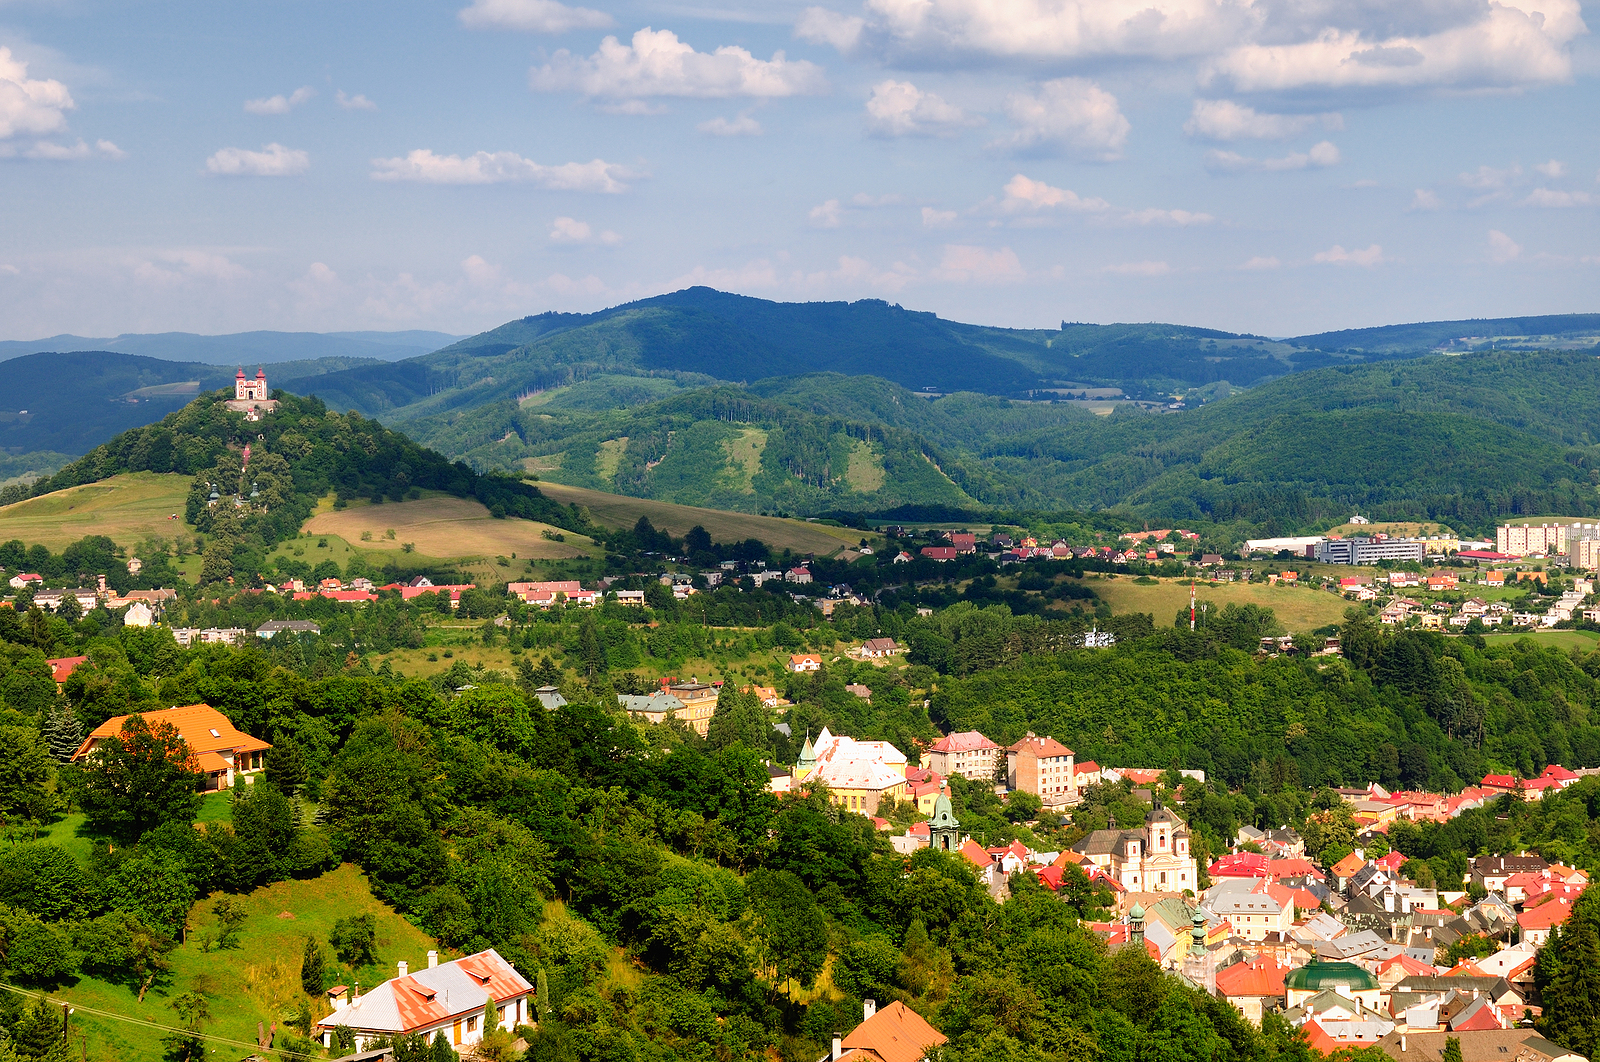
(963, 741)
(1263, 977)
(1240, 865)
(896, 1033)
(63, 666)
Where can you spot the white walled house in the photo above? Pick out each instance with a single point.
(451, 998)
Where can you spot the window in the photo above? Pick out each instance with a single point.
(215, 734)
(472, 1024)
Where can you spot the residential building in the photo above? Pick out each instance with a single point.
(220, 750)
(1520, 540)
(86, 597)
(138, 615)
(877, 648)
(187, 636)
(453, 998)
(967, 753)
(939, 553)
(699, 704)
(862, 776)
(631, 598)
(804, 662)
(1491, 1045)
(62, 667)
(651, 708)
(1370, 550)
(1254, 910)
(894, 1034)
(1155, 858)
(272, 627)
(797, 575)
(1254, 987)
(1042, 766)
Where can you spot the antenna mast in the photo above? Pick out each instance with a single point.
(1191, 604)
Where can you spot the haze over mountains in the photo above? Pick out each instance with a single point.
(705, 397)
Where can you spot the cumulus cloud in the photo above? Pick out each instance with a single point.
(280, 104)
(1547, 197)
(827, 215)
(30, 106)
(1552, 169)
(1227, 120)
(1321, 155)
(357, 102)
(273, 160)
(1503, 248)
(501, 167)
(656, 63)
(532, 16)
(1425, 199)
(1025, 193)
(1138, 269)
(51, 151)
(1262, 262)
(1180, 218)
(1070, 115)
(899, 108)
(744, 125)
(1337, 255)
(1488, 178)
(1256, 45)
(934, 219)
(821, 26)
(967, 264)
(571, 230)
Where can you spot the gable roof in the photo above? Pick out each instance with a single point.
(962, 741)
(1263, 977)
(202, 727)
(432, 996)
(896, 1033)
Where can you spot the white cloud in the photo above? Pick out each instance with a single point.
(826, 216)
(357, 102)
(1025, 193)
(1071, 115)
(177, 267)
(899, 108)
(821, 26)
(1227, 120)
(934, 219)
(1180, 218)
(30, 106)
(1262, 262)
(1487, 178)
(966, 264)
(862, 199)
(1552, 169)
(1321, 155)
(1546, 197)
(273, 160)
(1337, 255)
(1425, 199)
(1138, 269)
(501, 167)
(570, 230)
(280, 104)
(744, 125)
(656, 63)
(1503, 248)
(109, 150)
(534, 16)
(53, 152)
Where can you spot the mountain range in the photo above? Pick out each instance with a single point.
(705, 397)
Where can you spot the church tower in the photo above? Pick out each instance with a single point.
(807, 764)
(944, 832)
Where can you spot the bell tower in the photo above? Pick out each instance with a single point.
(944, 832)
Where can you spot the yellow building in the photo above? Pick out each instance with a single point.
(861, 776)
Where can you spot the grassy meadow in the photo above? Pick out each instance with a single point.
(444, 527)
(1298, 608)
(616, 510)
(126, 509)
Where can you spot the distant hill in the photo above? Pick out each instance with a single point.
(1574, 331)
(75, 401)
(256, 348)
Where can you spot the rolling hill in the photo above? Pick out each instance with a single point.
(264, 348)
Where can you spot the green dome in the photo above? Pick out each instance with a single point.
(1321, 976)
(1137, 914)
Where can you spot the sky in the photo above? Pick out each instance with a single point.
(1278, 167)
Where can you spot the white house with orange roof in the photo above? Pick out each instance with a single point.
(220, 750)
(453, 998)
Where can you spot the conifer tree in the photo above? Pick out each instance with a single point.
(64, 732)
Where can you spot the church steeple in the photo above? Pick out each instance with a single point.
(807, 762)
(944, 832)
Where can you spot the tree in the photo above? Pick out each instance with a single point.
(286, 766)
(263, 821)
(740, 717)
(63, 732)
(790, 925)
(153, 885)
(194, 1012)
(312, 975)
(1452, 1049)
(1568, 979)
(230, 919)
(440, 1050)
(137, 779)
(354, 940)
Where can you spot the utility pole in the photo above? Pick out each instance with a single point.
(1191, 604)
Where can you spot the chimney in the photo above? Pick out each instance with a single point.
(355, 993)
(402, 966)
(869, 1007)
(1402, 1043)
(337, 995)
(433, 959)
(838, 1047)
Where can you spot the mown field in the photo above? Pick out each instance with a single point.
(1297, 608)
(616, 510)
(443, 527)
(257, 982)
(126, 509)
(1580, 640)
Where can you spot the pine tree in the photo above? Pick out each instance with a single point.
(541, 995)
(64, 732)
(1452, 1049)
(441, 1051)
(1570, 980)
(311, 968)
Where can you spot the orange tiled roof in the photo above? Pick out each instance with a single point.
(202, 727)
(1264, 977)
(895, 1034)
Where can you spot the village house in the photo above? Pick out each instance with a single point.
(1253, 987)
(799, 662)
(272, 627)
(220, 751)
(86, 597)
(877, 648)
(1155, 858)
(453, 998)
(939, 553)
(894, 1034)
(967, 753)
(1042, 766)
(1495, 1045)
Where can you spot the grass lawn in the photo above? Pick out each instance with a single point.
(126, 509)
(257, 982)
(1298, 608)
(616, 510)
(1582, 640)
(440, 527)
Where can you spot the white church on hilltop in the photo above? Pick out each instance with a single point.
(250, 396)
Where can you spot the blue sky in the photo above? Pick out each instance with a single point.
(1276, 166)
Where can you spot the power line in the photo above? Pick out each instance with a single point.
(97, 1012)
